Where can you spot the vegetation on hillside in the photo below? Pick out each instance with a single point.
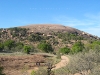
(15, 39)
(46, 47)
(77, 47)
(84, 63)
(84, 49)
(27, 49)
(64, 50)
(1, 71)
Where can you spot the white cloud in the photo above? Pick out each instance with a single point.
(93, 30)
(90, 23)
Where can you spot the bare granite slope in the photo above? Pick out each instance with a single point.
(51, 28)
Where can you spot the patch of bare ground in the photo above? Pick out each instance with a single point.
(64, 61)
(18, 65)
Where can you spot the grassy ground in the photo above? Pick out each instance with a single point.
(20, 63)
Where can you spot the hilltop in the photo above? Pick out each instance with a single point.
(44, 28)
(51, 28)
(53, 39)
(57, 35)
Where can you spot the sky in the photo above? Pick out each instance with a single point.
(80, 14)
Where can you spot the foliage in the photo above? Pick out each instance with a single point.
(77, 47)
(93, 45)
(16, 31)
(27, 49)
(57, 39)
(33, 72)
(95, 70)
(65, 50)
(9, 44)
(69, 36)
(1, 71)
(87, 63)
(46, 47)
(18, 46)
(34, 37)
(1, 46)
(58, 55)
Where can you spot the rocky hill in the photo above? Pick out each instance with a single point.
(42, 39)
(57, 36)
(56, 28)
(50, 28)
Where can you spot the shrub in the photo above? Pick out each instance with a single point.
(33, 72)
(35, 37)
(1, 46)
(27, 49)
(65, 50)
(77, 47)
(46, 47)
(1, 71)
(84, 62)
(9, 44)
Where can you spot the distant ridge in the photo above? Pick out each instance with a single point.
(51, 27)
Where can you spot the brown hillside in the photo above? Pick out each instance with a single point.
(50, 28)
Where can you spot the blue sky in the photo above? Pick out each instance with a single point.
(81, 14)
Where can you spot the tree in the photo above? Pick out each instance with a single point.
(20, 45)
(9, 44)
(77, 47)
(27, 49)
(85, 63)
(46, 47)
(65, 50)
(35, 37)
(1, 70)
(1, 46)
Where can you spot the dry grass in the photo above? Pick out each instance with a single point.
(17, 65)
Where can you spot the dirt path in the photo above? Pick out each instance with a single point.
(64, 61)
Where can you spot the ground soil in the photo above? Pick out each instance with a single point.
(64, 61)
(19, 65)
(24, 65)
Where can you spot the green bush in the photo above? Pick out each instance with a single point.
(65, 50)
(33, 72)
(1, 46)
(19, 46)
(35, 37)
(27, 49)
(77, 47)
(85, 63)
(46, 47)
(1, 71)
(9, 44)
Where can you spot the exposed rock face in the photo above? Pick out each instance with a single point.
(50, 28)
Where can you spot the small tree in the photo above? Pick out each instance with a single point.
(1, 46)
(19, 46)
(46, 47)
(65, 50)
(9, 44)
(27, 49)
(1, 70)
(77, 47)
